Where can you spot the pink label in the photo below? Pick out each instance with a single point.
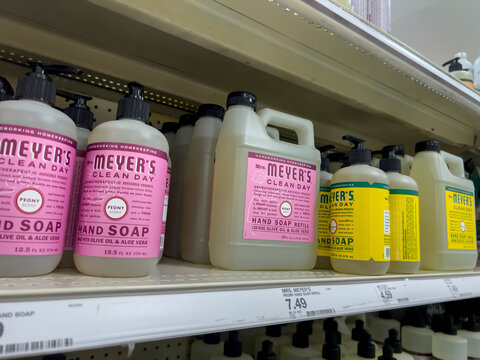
(74, 201)
(280, 199)
(165, 209)
(121, 201)
(36, 168)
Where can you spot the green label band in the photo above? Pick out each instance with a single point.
(360, 184)
(464, 192)
(403, 192)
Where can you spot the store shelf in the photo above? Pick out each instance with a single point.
(181, 299)
(310, 58)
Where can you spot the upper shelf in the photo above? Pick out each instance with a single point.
(311, 58)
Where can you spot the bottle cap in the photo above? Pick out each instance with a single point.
(212, 110)
(449, 327)
(394, 341)
(307, 326)
(133, 105)
(428, 145)
(242, 98)
(325, 161)
(187, 119)
(232, 347)
(169, 127)
(359, 154)
(6, 90)
(300, 337)
(454, 65)
(387, 353)
(267, 351)
(273, 331)
(399, 150)
(358, 330)
(331, 349)
(78, 111)
(365, 348)
(211, 339)
(37, 85)
(390, 163)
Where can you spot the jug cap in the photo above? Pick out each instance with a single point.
(358, 330)
(449, 327)
(390, 163)
(300, 337)
(232, 347)
(169, 127)
(365, 348)
(133, 105)
(273, 331)
(394, 341)
(427, 145)
(242, 98)
(359, 154)
(387, 353)
(331, 349)
(187, 119)
(212, 110)
(267, 351)
(211, 339)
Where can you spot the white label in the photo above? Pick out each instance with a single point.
(386, 222)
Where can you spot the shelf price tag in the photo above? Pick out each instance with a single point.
(390, 293)
(452, 287)
(304, 302)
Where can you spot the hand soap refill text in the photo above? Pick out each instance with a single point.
(265, 193)
(360, 216)
(119, 226)
(37, 152)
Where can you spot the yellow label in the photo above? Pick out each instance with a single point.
(460, 206)
(404, 225)
(360, 221)
(324, 221)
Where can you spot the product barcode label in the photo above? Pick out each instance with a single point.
(31, 346)
(403, 300)
(321, 312)
(386, 252)
(386, 222)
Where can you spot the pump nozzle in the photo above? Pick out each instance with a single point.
(359, 154)
(133, 105)
(387, 353)
(78, 111)
(454, 65)
(267, 351)
(6, 90)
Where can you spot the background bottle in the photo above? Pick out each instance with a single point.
(273, 333)
(416, 337)
(204, 349)
(197, 198)
(471, 332)
(169, 130)
(232, 349)
(447, 345)
(132, 152)
(300, 348)
(81, 115)
(38, 202)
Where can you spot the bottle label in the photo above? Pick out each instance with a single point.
(460, 207)
(36, 169)
(360, 221)
(280, 199)
(404, 237)
(165, 209)
(324, 236)
(76, 189)
(121, 202)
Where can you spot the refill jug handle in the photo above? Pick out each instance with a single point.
(303, 127)
(455, 163)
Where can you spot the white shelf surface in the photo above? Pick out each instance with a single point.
(181, 299)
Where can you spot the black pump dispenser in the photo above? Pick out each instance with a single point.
(387, 353)
(6, 90)
(37, 85)
(359, 154)
(133, 105)
(331, 349)
(325, 161)
(242, 98)
(273, 331)
(454, 65)
(169, 127)
(232, 347)
(391, 163)
(267, 351)
(300, 337)
(449, 327)
(78, 111)
(365, 348)
(394, 341)
(211, 339)
(212, 110)
(358, 330)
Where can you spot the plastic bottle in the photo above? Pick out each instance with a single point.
(273, 132)
(232, 349)
(299, 349)
(416, 337)
(253, 172)
(207, 347)
(273, 333)
(266, 352)
(365, 348)
(404, 223)
(35, 198)
(127, 210)
(447, 345)
(169, 130)
(81, 115)
(456, 69)
(387, 353)
(462, 59)
(381, 324)
(178, 155)
(394, 342)
(471, 332)
(406, 160)
(337, 161)
(447, 232)
(331, 349)
(6, 90)
(360, 217)
(248, 337)
(197, 198)
(476, 73)
(356, 334)
(324, 236)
